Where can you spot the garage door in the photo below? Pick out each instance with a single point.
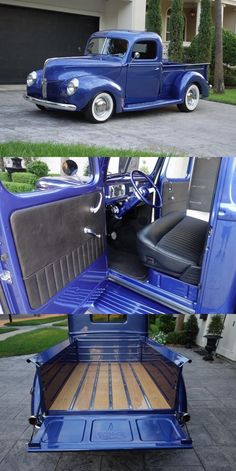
(29, 36)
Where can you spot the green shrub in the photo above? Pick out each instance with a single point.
(162, 323)
(175, 51)
(4, 177)
(39, 168)
(216, 325)
(191, 329)
(229, 77)
(204, 43)
(26, 177)
(154, 17)
(176, 338)
(18, 187)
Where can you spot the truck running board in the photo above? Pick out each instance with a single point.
(104, 432)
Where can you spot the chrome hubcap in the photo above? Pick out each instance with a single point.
(192, 97)
(101, 106)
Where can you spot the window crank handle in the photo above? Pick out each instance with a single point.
(91, 232)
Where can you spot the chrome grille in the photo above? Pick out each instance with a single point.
(44, 88)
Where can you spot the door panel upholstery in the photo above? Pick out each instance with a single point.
(51, 244)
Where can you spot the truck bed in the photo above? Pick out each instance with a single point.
(99, 386)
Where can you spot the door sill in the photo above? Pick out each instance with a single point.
(150, 292)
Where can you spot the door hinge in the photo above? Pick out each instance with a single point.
(5, 275)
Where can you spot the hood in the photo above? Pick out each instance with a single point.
(64, 68)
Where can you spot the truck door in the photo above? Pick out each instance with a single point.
(144, 73)
(53, 244)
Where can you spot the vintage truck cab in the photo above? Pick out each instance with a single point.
(130, 238)
(121, 71)
(109, 387)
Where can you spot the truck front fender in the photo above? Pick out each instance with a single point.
(188, 78)
(90, 86)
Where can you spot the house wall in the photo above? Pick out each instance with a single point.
(125, 14)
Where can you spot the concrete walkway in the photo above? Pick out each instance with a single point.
(25, 329)
(212, 403)
(208, 132)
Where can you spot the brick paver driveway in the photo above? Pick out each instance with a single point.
(208, 132)
(212, 403)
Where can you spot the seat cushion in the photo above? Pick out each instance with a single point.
(173, 244)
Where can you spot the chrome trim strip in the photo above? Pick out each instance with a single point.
(140, 386)
(110, 387)
(91, 407)
(50, 104)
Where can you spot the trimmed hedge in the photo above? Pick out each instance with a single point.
(39, 168)
(177, 338)
(18, 187)
(25, 177)
(4, 177)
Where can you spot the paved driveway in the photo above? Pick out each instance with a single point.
(212, 403)
(210, 131)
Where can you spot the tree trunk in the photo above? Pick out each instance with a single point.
(179, 326)
(2, 166)
(219, 70)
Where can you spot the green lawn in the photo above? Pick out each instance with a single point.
(6, 331)
(61, 324)
(32, 342)
(50, 149)
(229, 97)
(37, 321)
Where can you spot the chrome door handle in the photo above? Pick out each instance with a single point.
(95, 210)
(91, 232)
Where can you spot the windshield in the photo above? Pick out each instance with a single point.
(107, 46)
(122, 165)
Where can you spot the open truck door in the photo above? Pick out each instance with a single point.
(53, 250)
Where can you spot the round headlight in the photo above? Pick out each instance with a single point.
(72, 86)
(32, 77)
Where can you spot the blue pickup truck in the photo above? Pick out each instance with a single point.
(122, 240)
(121, 71)
(109, 387)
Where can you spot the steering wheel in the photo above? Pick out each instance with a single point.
(144, 192)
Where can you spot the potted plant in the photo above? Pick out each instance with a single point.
(191, 329)
(213, 336)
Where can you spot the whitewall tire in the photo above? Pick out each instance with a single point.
(100, 108)
(191, 99)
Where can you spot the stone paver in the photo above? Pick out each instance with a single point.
(208, 132)
(212, 404)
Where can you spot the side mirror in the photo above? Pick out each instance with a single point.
(70, 167)
(136, 55)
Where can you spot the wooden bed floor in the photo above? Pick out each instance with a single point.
(109, 386)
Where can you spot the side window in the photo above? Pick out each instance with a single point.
(145, 49)
(20, 175)
(109, 318)
(177, 167)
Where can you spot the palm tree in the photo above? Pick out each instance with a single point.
(219, 69)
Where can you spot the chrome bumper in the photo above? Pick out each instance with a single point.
(50, 104)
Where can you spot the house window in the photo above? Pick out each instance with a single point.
(168, 13)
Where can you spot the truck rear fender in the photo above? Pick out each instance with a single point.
(188, 78)
(90, 87)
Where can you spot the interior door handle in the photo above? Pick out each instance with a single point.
(95, 209)
(91, 232)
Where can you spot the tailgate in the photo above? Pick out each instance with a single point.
(101, 432)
